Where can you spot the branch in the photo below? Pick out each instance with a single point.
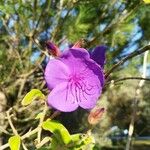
(10, 122)
(133, 54)
(40, 124)
(127, 78)
(30, 133)
(115, 22)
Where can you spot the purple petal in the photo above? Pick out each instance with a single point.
(79, 59)
(91, 85)
(75, 53)
(98, 55)
(90, 95)
(74, 58)
(62, 99)
(56, 72)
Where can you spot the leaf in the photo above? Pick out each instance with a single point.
(59, 131)
(31, 96)
(14, 142)
(147, 1)
(82, 141)
(76, 137)
(88, 140)
(7, 9)
(55, 144)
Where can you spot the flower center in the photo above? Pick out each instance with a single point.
(75, 78)
(79, 88)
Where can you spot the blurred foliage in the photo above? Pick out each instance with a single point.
(122, 25)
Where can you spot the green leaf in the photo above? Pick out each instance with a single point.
(76, 137)
(31, 96)
(59, 131)
(55, 145)
(88, 140)
(81, 141)
(14, 142)
(7, 9)
(146, 1)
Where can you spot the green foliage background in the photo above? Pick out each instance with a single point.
(122, 25)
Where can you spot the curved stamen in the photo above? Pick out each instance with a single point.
(78, 86)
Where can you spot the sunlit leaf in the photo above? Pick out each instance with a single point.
(31, 96)
(88, 140)
(147, 1)
(7, 9)
(76, 137)
(55, 145)
(14, 142)
(82, 141)
(59, 131)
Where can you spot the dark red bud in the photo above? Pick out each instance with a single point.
(52, 49)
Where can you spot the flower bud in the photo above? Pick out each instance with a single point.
(95, 115)
(52, 49)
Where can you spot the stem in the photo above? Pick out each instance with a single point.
(44, 141)
(56, 113)
(127, 78)
(40, 124)
(10, 122)
(29, 133)
(24, 146)
(133, 54)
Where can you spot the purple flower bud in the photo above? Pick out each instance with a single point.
(53, 49)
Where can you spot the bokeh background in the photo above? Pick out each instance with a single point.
(122, 25)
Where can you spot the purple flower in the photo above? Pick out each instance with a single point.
(75, 80)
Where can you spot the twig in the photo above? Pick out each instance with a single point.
(24, 146)
(29, 133)
(22, 84)
(4, 130)
(10, 122)
(133, 54)
(44, 141)
(56, 113)
(127, 78)
(114, 23)
(40, 124)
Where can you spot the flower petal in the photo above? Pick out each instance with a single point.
(62, 99)
(97, 70)
(89, 98)
(56, 72)
(98, 55)
(91, 90)
(74, 58)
